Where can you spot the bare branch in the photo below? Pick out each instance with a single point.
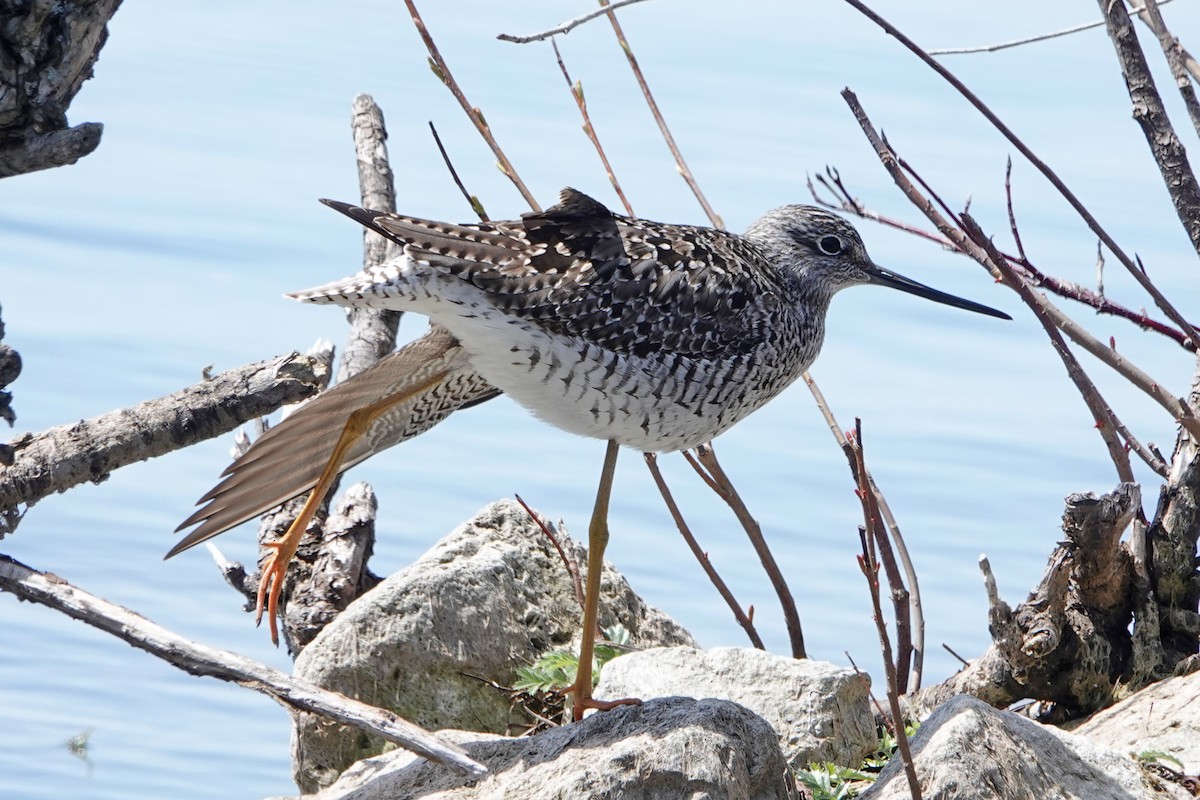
(682, 166)
(438, 65)
(59, 458)
(1041, 166)
(725, 490)
(569, 25)
(54, 592)
(914, 639)
(577, 93)
(741, 616)
(1041, 37)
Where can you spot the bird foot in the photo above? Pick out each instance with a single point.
(274, 570)
(581, 704)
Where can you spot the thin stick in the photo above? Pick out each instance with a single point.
(658, 118)
(438, 65)
(1041, 166)
(741, 616)
(568, 562)
(1041, 37)
(577, 92)
(54, 592)
(870, 569)
(913, 641)
(1063, 288)
(1182, 414)
(1151, 116)
(571, 25)
(725, 489)
(472, 200)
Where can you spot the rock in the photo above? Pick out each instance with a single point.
(820, 711)
(490, 597)
(968, 750)
(1163, 717)
(669, 747)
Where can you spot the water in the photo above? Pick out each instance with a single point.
(167, 250)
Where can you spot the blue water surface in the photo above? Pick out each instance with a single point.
(168, 249)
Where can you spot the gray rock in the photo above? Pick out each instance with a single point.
(667, 748)
(1163, 717)
(820, 711)
(490, 597)
(968, 750)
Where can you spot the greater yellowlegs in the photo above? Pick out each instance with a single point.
(653, 336)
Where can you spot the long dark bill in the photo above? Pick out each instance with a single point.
(884, 277)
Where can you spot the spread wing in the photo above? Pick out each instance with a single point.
(287, 460)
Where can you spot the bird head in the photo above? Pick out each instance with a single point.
(825, 254)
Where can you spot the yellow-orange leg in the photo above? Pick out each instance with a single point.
(274, 569)
(581, 690)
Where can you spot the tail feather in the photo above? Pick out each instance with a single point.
(289, 458)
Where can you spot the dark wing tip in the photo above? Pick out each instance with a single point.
(363, 216)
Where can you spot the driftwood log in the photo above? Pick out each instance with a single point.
(47, 51)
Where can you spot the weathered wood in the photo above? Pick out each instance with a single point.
(59, 458)
(52, 591)
(47, 51)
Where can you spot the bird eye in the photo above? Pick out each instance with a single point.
(830, 245)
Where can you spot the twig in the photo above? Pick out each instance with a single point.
(912, 643)
(741, 616)
(577, 92)
(1151, 115)
(438, 65)
(571, 564)
(951, 651)
(567, 26)
(52, 591)
(1176, 58)
(708, 459)
(472, 200)
(1068, 289)
(870, 569)
(1041, 37)
(881, 548)
(658, 118)
(1184, 415)
(1041, 166)
(59, 458)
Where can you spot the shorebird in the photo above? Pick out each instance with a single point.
(646, 335)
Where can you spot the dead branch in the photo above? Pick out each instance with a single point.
(1138, 274)
(1172, 539)
(59, 458)
(47, 51)
(1069, 642)
(438, 65)
(706, 564)
(1169, 153)
(914, 642)
(52, 591)
(567, 26)
(1041, 37)
(1177, 58)
(706, 463)
(10, 369)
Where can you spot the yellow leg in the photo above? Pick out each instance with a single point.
(274, 569)
(597, 542)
